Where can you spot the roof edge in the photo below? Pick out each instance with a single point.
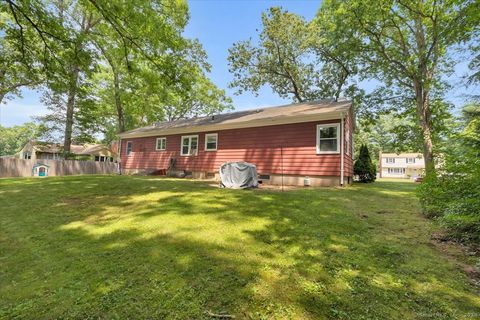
(334, 115)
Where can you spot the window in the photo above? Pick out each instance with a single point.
(347, 142)
(129, 147)
(390, 160)
(161, 144)
(328, 138)
(211, 140)
(410, 160)
(27, 155)
(189, 145)
(396, 170)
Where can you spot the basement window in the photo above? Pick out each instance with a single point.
(210, 175)
(328, 138)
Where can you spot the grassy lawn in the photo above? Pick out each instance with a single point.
(142, 247)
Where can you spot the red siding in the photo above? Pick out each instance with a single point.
(289, 148)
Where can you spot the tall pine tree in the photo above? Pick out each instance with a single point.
(364, 167)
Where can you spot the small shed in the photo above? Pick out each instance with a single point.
(40, 170)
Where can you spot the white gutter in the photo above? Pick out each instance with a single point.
(342, 153)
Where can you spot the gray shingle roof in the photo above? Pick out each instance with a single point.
(254, 117)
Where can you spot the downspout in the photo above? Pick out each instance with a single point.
(342, 153)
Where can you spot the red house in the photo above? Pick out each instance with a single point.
(286, 143)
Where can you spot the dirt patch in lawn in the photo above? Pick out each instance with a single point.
(466, 257)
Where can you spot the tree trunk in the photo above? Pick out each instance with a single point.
(118, 102)
(72, 93)
(422, 92)
(424, 114)
(116, 85)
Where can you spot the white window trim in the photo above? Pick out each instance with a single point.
(189, 145)
(216, 141)
(412, 160)
(337, 125)
(156, 144)
(388, 158)
(126, 148)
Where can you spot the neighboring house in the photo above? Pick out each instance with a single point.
(286, 143)
(402, 165)
(37, 150)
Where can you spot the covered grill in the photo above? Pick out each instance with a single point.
(238, 175)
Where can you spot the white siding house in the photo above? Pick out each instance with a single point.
(402, 165)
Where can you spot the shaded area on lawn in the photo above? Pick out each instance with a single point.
(112, 246)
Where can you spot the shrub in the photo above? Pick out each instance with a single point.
(452, 195)
(364, 167)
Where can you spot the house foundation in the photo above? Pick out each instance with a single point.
(267, 179)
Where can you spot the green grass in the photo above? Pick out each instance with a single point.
(142, 247)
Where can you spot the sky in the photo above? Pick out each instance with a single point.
(217, 24)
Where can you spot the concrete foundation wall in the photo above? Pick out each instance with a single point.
(288, 180)
(294, 180)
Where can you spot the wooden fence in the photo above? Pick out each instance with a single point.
(12, 167)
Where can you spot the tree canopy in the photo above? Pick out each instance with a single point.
(295, 58)
(14, 138)
(106, 66)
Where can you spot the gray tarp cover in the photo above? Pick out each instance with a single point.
(238, 175)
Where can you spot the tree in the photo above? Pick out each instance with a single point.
(398, 131)
(364, 167)
(405, 45)
(453, 194)
(151, 66)
(18, 67)
(293, 57)
(12, 139)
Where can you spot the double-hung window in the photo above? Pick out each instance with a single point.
(161, 144)
(211, 140)
(390, 160)
(410, 160)
(129, 147)
(189, 145)
(328, 138)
